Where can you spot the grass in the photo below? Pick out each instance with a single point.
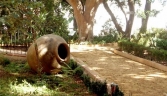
(17, 79)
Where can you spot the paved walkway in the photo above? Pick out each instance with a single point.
(133, 78)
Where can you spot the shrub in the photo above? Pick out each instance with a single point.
(158, 55)
(4, 61)
(150, 37)
(72, 64)
(76, 69)
(161, 44)
(97, 87)
(109, 38)
(139, 50)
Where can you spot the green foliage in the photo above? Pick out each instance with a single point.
(161, 44)
(4, 61)
(160, 33)
(46, 85)
(115, 90)
(150, 38)
(139, 50)
(16, 67)
(26, 20)
(144, 52)
(125, 45)
(25, 83)
(105, 39)
(72, 64)
(18, 86)
(77, 70)
(86, 79)
(72, 69)
(158, 55)
(18, 82)
(100, 88)
(108, 34)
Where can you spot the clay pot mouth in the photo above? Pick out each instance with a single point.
(63, 52)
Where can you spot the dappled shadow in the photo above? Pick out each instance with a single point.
(148, 76)
(131, 76)
(24, 82)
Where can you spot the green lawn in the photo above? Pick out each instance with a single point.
(16, 79)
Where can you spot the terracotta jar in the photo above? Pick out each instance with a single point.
(48, 53)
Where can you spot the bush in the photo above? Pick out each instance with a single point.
(150, 37)
(161, 44)
(105, 39)
(131, 47)
(97, 87)
(140, 50)
(158, 55)
(4, 61)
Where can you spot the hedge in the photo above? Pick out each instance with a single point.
(97, 87)
(158, 55)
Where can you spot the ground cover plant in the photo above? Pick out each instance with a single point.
(16, 79)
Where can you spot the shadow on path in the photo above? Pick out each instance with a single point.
(133, 78)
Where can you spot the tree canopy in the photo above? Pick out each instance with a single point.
(32, 18)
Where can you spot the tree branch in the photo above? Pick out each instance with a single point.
(131, 18)
(147, 9)
(118, 27)
(120, 5)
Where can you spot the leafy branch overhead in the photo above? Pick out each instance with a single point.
(32, 18)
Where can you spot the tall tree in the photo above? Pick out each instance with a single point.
(84, 13)
(129, 20)
(147, 11)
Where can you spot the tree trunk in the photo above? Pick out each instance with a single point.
(147, 9)
(129, 22)
(84, 15)
(131, 18)
(117, 26)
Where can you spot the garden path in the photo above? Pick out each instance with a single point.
(133, 78)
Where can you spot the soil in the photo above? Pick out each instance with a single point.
(133, 78)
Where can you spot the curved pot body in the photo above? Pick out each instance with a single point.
(47, 53)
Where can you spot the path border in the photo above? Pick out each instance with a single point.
(97, 77)
(114, 46)
(141, 60)
(93, 74)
